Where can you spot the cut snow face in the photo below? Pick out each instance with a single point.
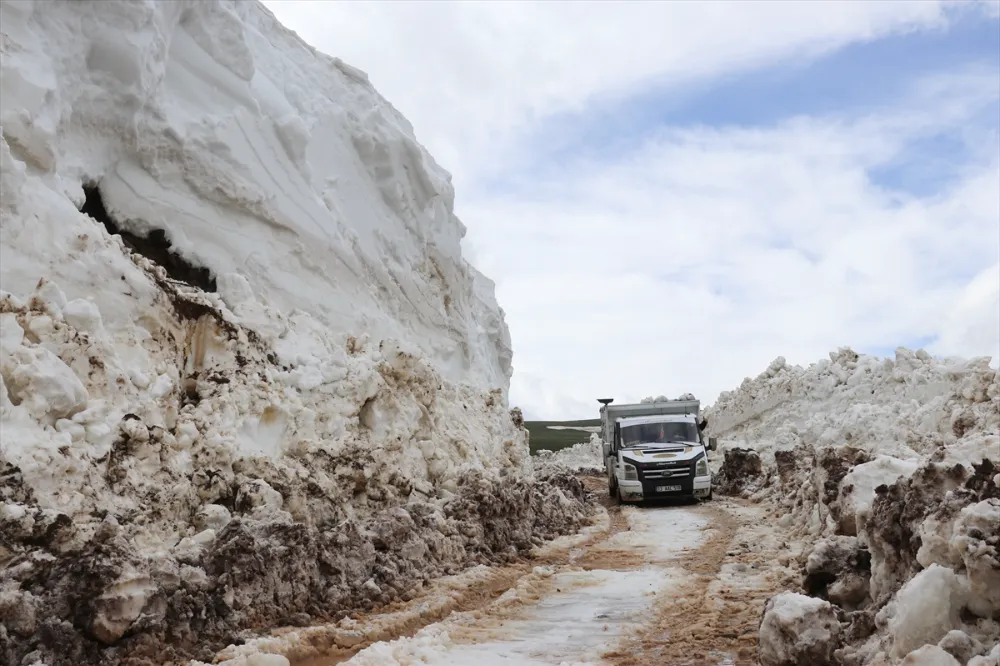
(248, 379)
(891, 466)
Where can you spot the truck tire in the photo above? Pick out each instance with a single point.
(613, 491)
(618, 495)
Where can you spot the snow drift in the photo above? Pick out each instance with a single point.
(892, 468)
(246, 376)
(583, 458)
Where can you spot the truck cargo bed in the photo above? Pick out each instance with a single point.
(672, 407)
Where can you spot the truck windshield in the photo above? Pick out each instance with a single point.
(658, 433)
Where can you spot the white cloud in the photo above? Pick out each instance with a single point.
(704, 254)
(695, 258)
(471, 75)
(972, 324)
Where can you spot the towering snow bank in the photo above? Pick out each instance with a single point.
(254, 381)
(256, 156)
(892, 464)
(906, 407)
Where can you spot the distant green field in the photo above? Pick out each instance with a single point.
(543, 437)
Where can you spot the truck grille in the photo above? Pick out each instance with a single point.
(665, 473)
(666, 470)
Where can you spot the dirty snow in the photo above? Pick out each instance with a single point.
(797, 629)
(890, 467)
(277, 391)
(247, 380)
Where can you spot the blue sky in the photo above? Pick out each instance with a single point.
(669, 195)
(859, 78)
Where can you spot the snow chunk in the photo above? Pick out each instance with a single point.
(960, 645)
(925, 609)
(741, 472)
(11, 333)
(992, 659)
(212, 516)
(857, 489)
(120, 605)
(40, 381)
(839, 569)
(797, 629)
(976, 542)
(929, 655)
(83, 315)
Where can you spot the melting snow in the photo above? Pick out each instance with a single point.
(581, 615)
(244, 366)
(890, 462)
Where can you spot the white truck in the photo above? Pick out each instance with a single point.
(655, 450)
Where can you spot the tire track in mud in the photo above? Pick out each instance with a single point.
(706, 617)
(331, 645)
(711, 617)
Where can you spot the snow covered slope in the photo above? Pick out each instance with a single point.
(907, 407)
(259, 331)
(892, 468)
(324, 228)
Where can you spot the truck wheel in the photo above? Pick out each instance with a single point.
(613, 490)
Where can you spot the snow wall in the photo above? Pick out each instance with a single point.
(246, 376)
(888, 471)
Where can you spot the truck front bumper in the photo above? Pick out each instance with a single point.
(630, 491)
(702, 486)
(637, 491)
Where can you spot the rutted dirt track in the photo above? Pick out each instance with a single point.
(669, 584)
(710, 617)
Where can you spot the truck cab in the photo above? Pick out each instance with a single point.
(656, 450)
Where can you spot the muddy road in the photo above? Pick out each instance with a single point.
(666, 584)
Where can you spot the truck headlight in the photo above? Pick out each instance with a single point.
(630, 473)
(701, 469)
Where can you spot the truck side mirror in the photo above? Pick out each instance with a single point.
(606, 449)
(713, 443)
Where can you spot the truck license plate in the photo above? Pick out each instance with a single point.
(667, 489)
